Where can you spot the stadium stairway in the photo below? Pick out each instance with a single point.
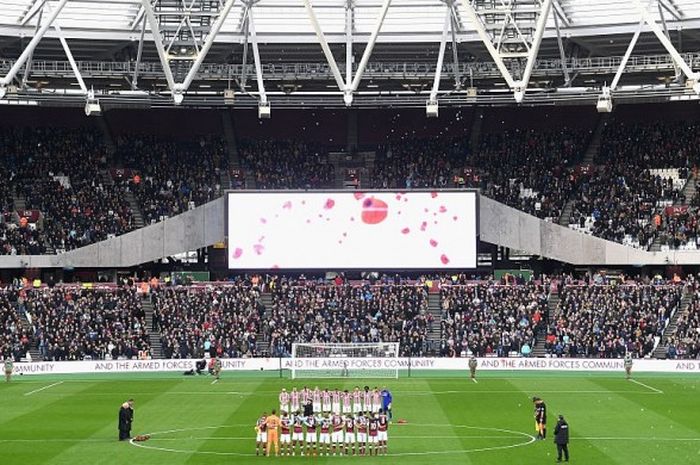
(27, 328)
(589, 157)
(153, 336)
(475, 135)
(136, 213)
(106, 135)
(688, 193)
(686, 299)
(553, 312)
(263, 345)
(435, 309)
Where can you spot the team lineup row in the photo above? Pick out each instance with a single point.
(328, 421)
(335, 401)
(365, 433)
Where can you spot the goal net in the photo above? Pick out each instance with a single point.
(368, 360)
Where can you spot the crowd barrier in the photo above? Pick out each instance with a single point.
(279, 364)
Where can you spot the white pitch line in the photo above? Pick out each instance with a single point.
(215, 381)
(475, 381)
(42, 388)
(658, 391)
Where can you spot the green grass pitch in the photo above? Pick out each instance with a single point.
(72, 420)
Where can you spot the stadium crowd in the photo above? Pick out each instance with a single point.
(219, 320)
(492, 319)
(305, 311)
(287, 164)
(609, 321)
(172, 175)
(14, 340)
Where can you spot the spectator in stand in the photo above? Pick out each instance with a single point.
(609, 321)
(174, 175)
(491, 319)
(78, 324)
(287, 164)
(14, 339)
(221, 320)
(306, 311)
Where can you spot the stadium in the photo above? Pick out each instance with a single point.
(324, 231)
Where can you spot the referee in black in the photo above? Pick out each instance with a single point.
(561, 438)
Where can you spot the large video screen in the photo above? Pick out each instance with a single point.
(352, 230)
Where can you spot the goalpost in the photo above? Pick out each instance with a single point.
(366, 360)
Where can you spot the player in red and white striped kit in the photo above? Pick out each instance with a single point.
(305, 395)
(350, 435)
(261, 435)
(367, 400)
(376, 400)
(347, 403)
(316, 396)
(337, 434)
(284, 401)
(383, 435)
(356, 400)
(326, 401)
(335, 395)
(294, 398)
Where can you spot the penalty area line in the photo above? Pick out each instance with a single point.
(42, 388)
(658, 391)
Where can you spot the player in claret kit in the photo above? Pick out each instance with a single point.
(261, 435)
(347, 403)
(336, 395)
(356, 400)
(298, 434)
(376, 400)
(337, 434)
(285, 434)
(349, 435)
(324, 439)
(284, 400)
(361, 433)
(326, 401)
(382, 435)
(311, 439)
(316, 396)
(373, 438)
(294, 398)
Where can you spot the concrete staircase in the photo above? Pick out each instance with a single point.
(234, 159)
(153, 336)
(689, 193)
(263, 344)
(589, 157)
(136, 213)
(660, 351)
(435, 309)
(553, 311)
(33, 346)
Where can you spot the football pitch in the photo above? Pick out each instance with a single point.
(72, 419)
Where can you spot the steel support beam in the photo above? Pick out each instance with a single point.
(369, 48)
(534, 49)
(245, 26)
(325, 47)
(69, 54)
(455, 52)
(139, 55)
(223, 14)
(441, 57)
(28, 65)
(162, 55)
(560, 12)
(29, 49)
(562, 53)
(256, 57)
(349, 26)
(626, 57)
(677, 58)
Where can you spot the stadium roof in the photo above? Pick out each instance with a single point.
(102, 33)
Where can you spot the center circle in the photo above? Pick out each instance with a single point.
(526, 439)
